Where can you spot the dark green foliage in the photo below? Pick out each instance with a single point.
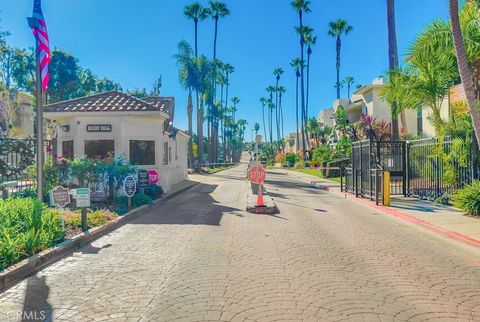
(468, 198)
(154, 191)
(291, 159)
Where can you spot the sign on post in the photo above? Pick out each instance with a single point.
(152, 176)
(130, 186)
(82, 197)
(59, 197)
(143, 180)
(257, 174)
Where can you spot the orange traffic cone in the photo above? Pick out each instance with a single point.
(260, 202)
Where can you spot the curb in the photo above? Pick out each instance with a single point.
(400, 215)
(19, 271)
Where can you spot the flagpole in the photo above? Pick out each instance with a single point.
(34, 23)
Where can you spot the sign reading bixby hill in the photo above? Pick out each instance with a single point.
(59, 197)
(99, 128)
(130, 186)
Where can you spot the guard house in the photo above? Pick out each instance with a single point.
(120, 124)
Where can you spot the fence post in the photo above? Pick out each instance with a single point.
(475, 156)
(354, 174)
(386, 188)
(341, 179)
(404, 165)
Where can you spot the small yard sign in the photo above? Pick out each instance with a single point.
(83, 197)
(143, 180)
(130, 186)
(59, 197)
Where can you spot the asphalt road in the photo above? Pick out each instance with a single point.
(200, 256)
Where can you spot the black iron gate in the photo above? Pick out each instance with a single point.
(369, 160)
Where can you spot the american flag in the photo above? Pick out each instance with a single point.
(41, 35)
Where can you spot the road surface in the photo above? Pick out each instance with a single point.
(200, 256)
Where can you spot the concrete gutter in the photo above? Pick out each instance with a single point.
(17, 272)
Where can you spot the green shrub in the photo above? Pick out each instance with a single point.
(29, 192)
(154, 191)
(26, 228)
(468, 198)
(138, 200)
(290, 159)
(299, 164)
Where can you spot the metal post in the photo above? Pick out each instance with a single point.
(404, 165)
(34, 23)
(39, 118)
(84, 219)
(386, 189)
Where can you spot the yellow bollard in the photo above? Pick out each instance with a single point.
(386, 189)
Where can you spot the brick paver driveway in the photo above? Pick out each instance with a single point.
(201, 257)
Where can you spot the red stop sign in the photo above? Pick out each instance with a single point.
(257, 175)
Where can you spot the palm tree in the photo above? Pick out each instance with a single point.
(256, 127)
(263, 101)
(197, 13)
(235, 101)
(278, 72)
(393, 64)
(296, 64)
(281, 90)
(204, 71)
(187, 77)
(217, 10)
(310, 41)
(464, 67)
(301, 7)
(337, 29)
(270, 90)
(349, 80)
(228, 69)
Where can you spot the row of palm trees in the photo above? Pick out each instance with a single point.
(206, 78)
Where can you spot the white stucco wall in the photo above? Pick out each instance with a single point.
(125, 128)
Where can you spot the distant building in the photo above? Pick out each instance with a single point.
(325, 117)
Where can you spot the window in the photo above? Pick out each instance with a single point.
(142, 152)
(67, 150)
(99, 149)
(165, 153)
(419, 122)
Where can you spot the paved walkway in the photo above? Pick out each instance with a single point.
(200, 256)
(444, 217)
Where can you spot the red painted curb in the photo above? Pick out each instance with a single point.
(407, 218)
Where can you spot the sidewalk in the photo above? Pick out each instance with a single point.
(446, 220)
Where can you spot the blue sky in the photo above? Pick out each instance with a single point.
(132, 42)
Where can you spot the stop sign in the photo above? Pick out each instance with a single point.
(257, 174)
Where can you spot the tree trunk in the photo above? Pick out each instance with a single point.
(393, 62)
(200, 131)
(464, 68)
(339, 47)
(263, 116)
(190, 130)
(276, 110)
(302, 81)
(296, 117)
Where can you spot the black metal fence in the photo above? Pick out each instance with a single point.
(16, 155)
(426, 169)
(438, 166)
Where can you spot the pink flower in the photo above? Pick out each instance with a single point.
(49, 149)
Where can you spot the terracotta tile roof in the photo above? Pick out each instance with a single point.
(113, 101)
(166, 104)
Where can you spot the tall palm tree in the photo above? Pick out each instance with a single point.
(217, 10)
(393, 63)
(464, 67)
(310, 41)
(256, 127)
(281, 90)
(337, 29)
(270, 90)
(278, 72)
(302, 7)
(235, 101)
(228, 69)
(296, 64)
(197, 13)
(187, 78)
(263, 101)
(349, 80)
